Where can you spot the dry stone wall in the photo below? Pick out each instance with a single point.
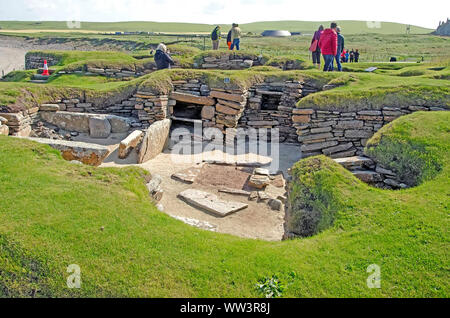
(341, 134)
(36, 60)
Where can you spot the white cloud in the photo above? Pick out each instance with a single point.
(226, 11)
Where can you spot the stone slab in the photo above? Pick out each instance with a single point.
(87, 153)
(211, 203)
(155, 140)
(187, 98)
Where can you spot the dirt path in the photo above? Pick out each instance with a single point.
(11, 59)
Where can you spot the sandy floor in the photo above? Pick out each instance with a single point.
(258, 221)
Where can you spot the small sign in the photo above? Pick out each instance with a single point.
(226, 80)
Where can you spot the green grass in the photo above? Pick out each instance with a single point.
(352, 27)
(51, 213)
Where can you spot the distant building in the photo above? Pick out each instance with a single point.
(276, 33)
(443, 28)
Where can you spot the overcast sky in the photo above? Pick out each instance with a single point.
(422, 13)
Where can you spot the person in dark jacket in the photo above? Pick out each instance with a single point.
(340, 48)
(352, 56)
(356, 56)
(215, 37)
(329, 45)
(229, 39)
(162, 58)
(314, 48)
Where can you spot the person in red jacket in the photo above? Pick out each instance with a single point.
(328, 44)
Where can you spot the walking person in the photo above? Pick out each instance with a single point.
(329, 45)
(340, 48)
(314, 48)
(215, 37)
(236, 34)
(356, 56)
(162, 58)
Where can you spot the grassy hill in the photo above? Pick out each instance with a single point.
(52, 213)
(350, 27)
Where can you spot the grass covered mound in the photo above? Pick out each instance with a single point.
(415, 147)
(52, 214)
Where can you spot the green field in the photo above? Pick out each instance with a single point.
(52, 212)
(351, 27)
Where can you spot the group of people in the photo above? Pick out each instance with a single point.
(350, 56)
(233, 37)
(330, 44)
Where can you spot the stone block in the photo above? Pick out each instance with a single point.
(155, 140)
(129, 143)
(99, 127)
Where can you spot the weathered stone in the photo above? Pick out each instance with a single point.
(118, 124)
(263, 196)
(129, 143)
(4, 130)
(349, 124)
(297, 111)
(231, 104)
(393, 183)
(231, 97)
(301, 119)
(154, 188)
(253, 196)
(351, 163)
(320, 130)
(276, 204)
(24, 132)
(89, 154)
(318, 146)
(49, 108)
(99, 127)
(188, 175)
(3, 120)
(263, 123)
(187, 98)
(368, 176)
(211, 203)
(315, 137)
(358, 133)
(208, 112)
(385, 171)
(370, 113)
(235, 191)
(261, 172)
(226, 110)
(259, 182)
(68, 121)
(155, 140)
(339, 148)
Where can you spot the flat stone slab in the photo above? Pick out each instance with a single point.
(89, 154)
(235, 191)
(188, 176)
(354, 162)
(211, 203)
